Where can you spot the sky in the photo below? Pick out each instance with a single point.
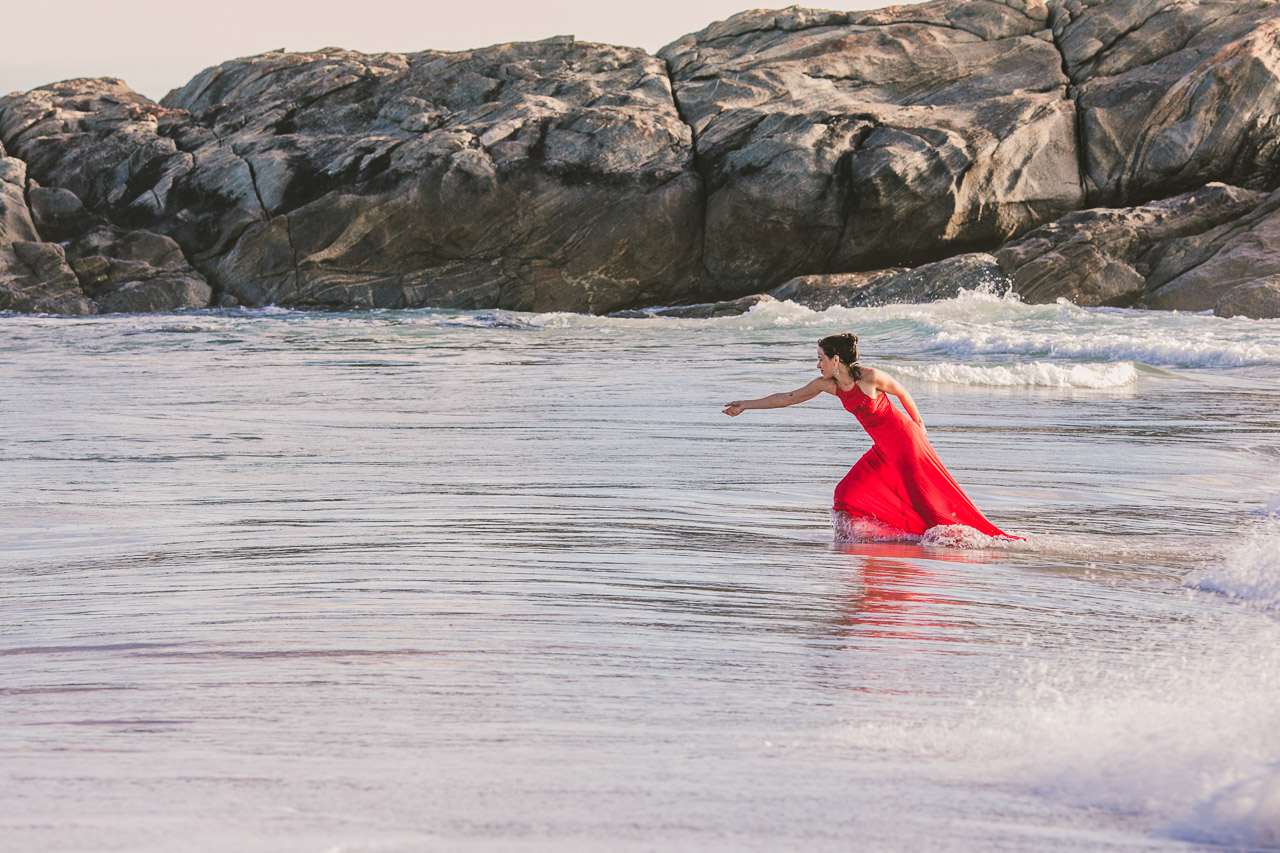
(157, 46)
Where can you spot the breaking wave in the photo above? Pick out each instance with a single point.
(1036, 374)
(1250, 572)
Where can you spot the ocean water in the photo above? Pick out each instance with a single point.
(431, 580)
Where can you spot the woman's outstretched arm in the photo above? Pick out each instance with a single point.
(779, 400)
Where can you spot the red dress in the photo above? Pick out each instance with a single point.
(900, 481)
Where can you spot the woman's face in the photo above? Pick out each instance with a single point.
(826, 366)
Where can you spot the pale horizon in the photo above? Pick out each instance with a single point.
(155, 49)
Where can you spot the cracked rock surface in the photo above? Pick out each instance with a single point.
(1116, 256)
(1173, 94)
(546, 176)
(34, 276)
(843, 141)
(771, 147)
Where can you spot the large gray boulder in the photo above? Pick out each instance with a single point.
(136, 271)
(845, 141)
(1112, 256)
(1173, 94)
(551, 175)
(1258, 299)
(34, 276)
(35, 279)
(1193, 273)
(15, 218)
(926, 283)
(58, 214)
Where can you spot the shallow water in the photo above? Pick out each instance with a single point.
(440, 580)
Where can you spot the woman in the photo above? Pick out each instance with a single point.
(899, 482)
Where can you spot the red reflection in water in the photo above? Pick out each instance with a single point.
(893, 594)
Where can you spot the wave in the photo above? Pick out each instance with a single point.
(981, 323)
(1185, 740)
(975, 325)
(1245, 813)
(1036, 374)
(1250, 572)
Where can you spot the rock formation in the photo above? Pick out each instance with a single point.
(824, 152)
(1173, 94)
(1259, 298)
(34, 276)
(1106, 256)
(834, 141)
(528, 176)
(926, 283)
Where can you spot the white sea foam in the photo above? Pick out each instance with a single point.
(960, 536)
(855, 529)
(850, 528)
(981, 324)
(1179, 729)
(1186, 740)
(978, 323)
(1036, 374)
(1250, 572)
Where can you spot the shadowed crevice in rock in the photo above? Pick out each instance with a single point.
(1070, 93)
(701, 227)
(253, 179)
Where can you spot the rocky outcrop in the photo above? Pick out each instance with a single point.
(834, 141)
(1173, 94)
(1119, 256)
(136, 271)
(15, 219)
(105, 270)
(1193, 273)
(820, 151)
(34, 276)
(700, 310)
(553, 175)
(926, 283)
(1258, 299)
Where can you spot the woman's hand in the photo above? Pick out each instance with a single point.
(735, 408)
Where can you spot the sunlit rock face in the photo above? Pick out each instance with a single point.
(834, 142)
(553, 175)
(1173, 94)
(1117, 256)
(1105, 149)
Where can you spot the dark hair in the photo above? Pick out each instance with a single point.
(844, 347)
